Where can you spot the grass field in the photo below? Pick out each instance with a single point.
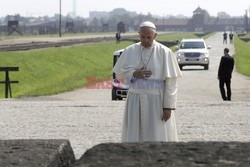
(175, 37)
(178, 37)
(242, 57)
(246, 36)
(55, 70)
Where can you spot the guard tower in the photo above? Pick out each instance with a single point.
(13, 26)
(69, 27)
(105, 27)
(198, 19)
(121, 27)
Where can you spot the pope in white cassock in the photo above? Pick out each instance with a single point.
(151, 70)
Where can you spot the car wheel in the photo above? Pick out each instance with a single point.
(206, 67)
(180, 67)
(114, 97)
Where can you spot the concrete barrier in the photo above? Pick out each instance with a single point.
(34, 153)
(58, 153)
(191, 154)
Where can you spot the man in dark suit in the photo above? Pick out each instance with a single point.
(225, 74)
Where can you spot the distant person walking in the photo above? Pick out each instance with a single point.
(225, 74)
(231, 36)
(225, 37)
(118, 37)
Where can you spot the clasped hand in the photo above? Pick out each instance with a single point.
(142, 74)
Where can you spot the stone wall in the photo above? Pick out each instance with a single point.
(34, 153)
(58, 153)
(191, 154)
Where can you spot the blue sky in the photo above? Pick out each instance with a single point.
(157, 7)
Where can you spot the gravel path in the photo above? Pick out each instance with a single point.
(88, 117)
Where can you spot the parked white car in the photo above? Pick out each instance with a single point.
(193, 52)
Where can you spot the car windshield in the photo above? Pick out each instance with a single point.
(192, 45)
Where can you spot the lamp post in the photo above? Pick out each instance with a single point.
(60, 17)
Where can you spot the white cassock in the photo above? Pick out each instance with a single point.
(147, 98)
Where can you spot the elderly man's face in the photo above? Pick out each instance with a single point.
(147, 36)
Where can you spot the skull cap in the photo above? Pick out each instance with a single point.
(148, 24)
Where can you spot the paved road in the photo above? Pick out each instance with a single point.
(88, 117)
(203, 85)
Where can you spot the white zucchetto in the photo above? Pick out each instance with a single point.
(148, 24)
